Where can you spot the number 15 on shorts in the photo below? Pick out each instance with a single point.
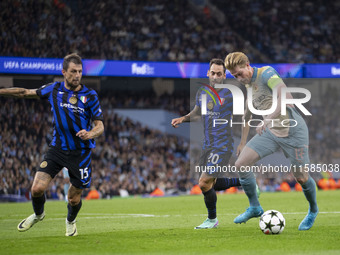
(84, 173)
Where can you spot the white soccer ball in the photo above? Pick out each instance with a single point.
(272, 222)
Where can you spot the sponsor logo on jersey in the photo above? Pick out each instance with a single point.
(210, 105)
(43, 164)
(73, 100)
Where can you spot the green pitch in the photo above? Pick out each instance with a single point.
(166, 226)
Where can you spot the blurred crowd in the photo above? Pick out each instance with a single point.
(128, 157)
(287, 31)
(131, 157)
(171, 30)
(178, 101)
(324, 128)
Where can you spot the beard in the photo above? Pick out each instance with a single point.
(213, 82)
(72, 84)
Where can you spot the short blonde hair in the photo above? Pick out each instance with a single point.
(235, 59)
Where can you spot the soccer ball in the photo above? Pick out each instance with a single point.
(272, 222)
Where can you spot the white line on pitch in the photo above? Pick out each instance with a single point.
(121, 215)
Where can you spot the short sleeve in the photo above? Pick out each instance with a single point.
(94, 107)
(271, 77)
(45, 90)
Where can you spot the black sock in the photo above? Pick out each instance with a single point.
(226, 183)
(210, 200)
(73, 211)
(38, 204)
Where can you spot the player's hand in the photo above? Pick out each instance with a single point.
(260, 129)
(176, 122)
(239, 149)
(84, 135)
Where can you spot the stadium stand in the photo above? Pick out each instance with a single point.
(171, 30)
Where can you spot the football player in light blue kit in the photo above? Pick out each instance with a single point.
(291, 136)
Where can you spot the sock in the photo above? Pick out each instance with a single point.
(210, 200)
(249, 187)
(226, 183)
(309, 190)
(73, 211)
(38, 204)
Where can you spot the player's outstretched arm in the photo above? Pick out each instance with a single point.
(194, 115)
(19, 93)
(96, 131)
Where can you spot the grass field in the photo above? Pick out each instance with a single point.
(166, 226)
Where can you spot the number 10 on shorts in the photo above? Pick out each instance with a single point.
(84, 173)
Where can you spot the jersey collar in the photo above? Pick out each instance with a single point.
(253, 78)
(71, 91)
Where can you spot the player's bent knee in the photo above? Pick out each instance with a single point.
(205, 184)
(37, 190)
(74, 195)
(239, 164)
(301, 180)
(74, 200)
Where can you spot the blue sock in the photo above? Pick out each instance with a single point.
(210, 200)
(249, 187)
(226, 183)
(309, 189)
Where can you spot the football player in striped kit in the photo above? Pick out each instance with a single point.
(75, 108)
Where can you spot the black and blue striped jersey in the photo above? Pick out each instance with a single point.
(72, 112)
(217, 135)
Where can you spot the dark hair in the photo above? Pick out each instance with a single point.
(74, 58)
(217, 61)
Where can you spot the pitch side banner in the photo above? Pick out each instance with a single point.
(322, 71)
(48, 66)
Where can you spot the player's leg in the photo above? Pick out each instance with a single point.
(248, 157)
(48, 169)
(257, 148)
(206, 184)
(295, 148)
(309, 189)
(80, 170)
(40, 184)
(301, 174)
(222, 182)
(73, 207)
(226, 183)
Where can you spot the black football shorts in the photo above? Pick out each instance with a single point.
(77, 162)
